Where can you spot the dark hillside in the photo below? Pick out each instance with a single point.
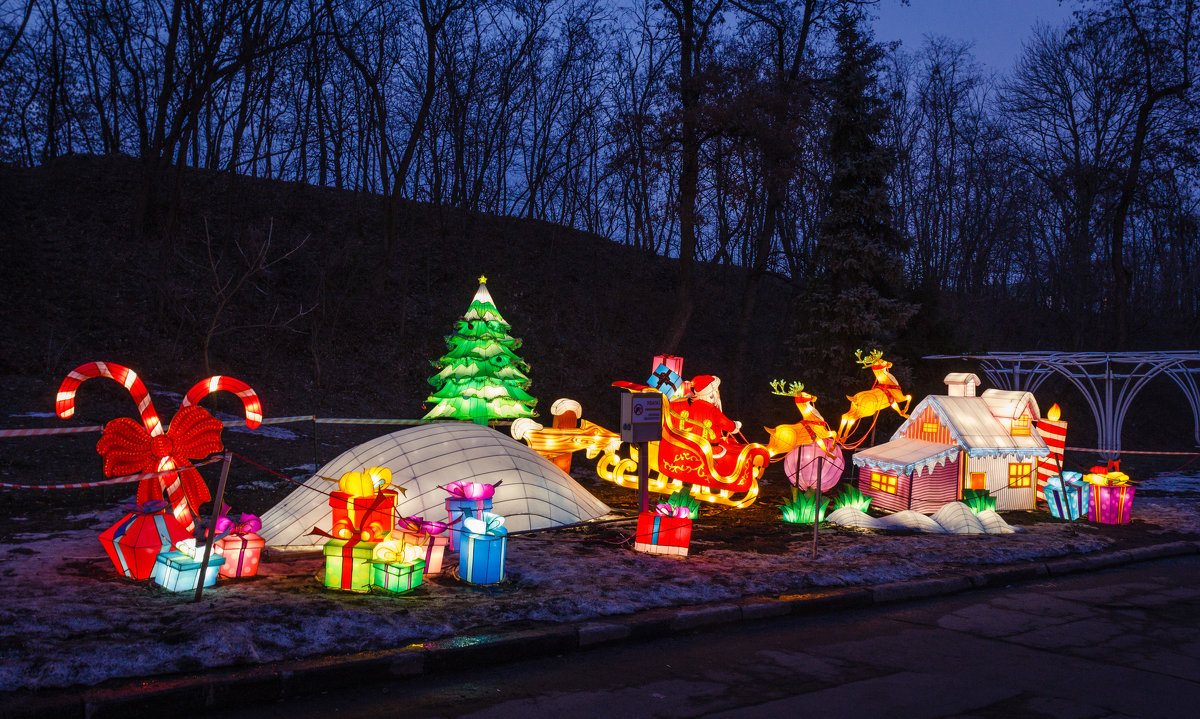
(80, 286)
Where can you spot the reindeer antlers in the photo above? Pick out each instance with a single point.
(872, 357)
(794, 389)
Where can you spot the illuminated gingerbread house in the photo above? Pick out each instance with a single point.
(954, 442)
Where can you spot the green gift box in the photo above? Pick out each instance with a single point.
(348, 564)
(398, 576)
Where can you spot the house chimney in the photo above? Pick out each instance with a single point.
(961, 384)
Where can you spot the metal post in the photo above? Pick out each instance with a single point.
(211, 530)
(817, 505)
(643, 476)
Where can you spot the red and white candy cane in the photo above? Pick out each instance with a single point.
(64, 406)
(65, 402)
(217, 383)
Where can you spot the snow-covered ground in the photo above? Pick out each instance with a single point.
(66, 619)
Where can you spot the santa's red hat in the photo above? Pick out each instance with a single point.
(701, 383)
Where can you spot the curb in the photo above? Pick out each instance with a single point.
(234, 687)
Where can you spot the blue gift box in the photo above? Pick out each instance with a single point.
(458, 509)
(666, 380)
(481, 560)
(1067, 495)
(178, 572)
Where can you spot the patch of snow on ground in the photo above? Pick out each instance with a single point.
(67, 619)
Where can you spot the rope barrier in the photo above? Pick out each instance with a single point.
(115, 480)
(48, 430)
(1134, 451)
(35, 432)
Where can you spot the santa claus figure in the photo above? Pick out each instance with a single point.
(701, 414)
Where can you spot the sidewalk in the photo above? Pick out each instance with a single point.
(214, 689)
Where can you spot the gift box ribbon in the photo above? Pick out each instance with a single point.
(348, 547)
(1066, 480)
(670, 510)
(487, 524)
(128, 448)
(248, 524)
(154, 509)
(472, 490)
(367, 482)
(396, 551)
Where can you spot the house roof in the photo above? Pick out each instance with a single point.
(1010, 404)
(975, 428)
(903, 455)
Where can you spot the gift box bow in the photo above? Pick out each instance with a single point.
(486, 524)
(1067, 480)
(128, 448)
(396, 551)
(248, 524)
(367, 482)
(419, 529)
(463, 489)
(154, 505)
(670, 510)
(1104, 478)
(356, 528)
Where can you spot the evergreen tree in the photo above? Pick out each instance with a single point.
(480, 377)
(854, 299)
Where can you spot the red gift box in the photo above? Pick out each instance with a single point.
(136, 541)
(242, 553)
(371, 517)
(660, 534)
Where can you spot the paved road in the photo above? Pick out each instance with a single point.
(1118, 643)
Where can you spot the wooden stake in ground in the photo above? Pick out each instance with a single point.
(210, 531)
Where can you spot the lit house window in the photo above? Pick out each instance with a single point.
(978, 480)
(929, 428)
(1020, 474)
(881, 482)
(1020, 426)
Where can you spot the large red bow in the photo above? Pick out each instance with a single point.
(128, 448)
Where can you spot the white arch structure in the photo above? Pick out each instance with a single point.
(1107, 380)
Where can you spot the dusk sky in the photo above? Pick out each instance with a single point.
(996, 27)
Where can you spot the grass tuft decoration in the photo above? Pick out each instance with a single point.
(979, 500)
(851, 497)
(800, 509)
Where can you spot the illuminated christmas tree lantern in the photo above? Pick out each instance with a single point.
(136, 541)
(1111, 495)
(364, 502)
(431, 536)
(397, 566)
(348, 564)
(480, 377)
(467, 499)
(484, 542)
(666, 530)
(1067, 495)
(241, 546)
(180, 572)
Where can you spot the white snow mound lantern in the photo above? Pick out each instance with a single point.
(534, 494)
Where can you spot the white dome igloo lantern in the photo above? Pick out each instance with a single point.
(535, 494)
